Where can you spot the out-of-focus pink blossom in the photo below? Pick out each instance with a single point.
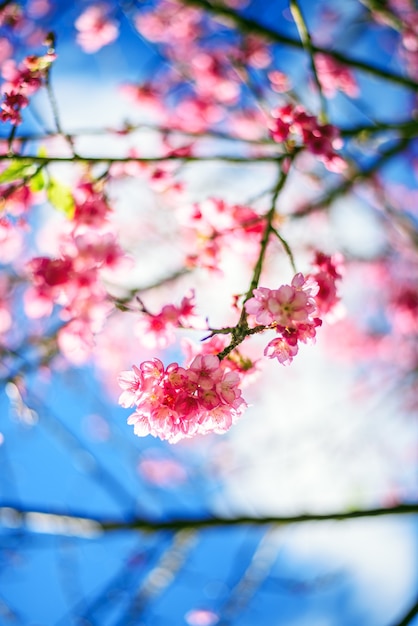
(72, 280)
(279, 81)
(293, 123)
(5, 305)
(215, 226)
(11, 15)
(161, 471)
(170, 23)
(6, 49)
(328, 271)
(335, 77)
(202, 617)
(10, 242)
(21, 82)
(95, 28)
(255, 52)
(157, 330)
(75, 341)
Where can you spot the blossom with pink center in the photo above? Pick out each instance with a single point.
(157, 330)
(285, 306)
(131, 382)
(215, 226)
(75, 341)
(176, 402)
(95, 29)
(327, 274)
(91, 207)
(19, 199)
(73, 280)
(205, 371)
(22, 81)
(246, 366)
(285, 347)
(281, 350)
(334, 76)
(11, 107)
(10, 242)
(294, 123)
(279, 81)
(291, 310)
(227, 388)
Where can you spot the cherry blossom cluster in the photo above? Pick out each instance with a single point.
(294, 310)
(73, 279)
(292, 124)
(177, 402)
(173, 403)
(334, 77)
(291, 310)
(244, 361)
(21, 82)
(206, 67)
(214, 225)
(156, 330)
(20, 27)
(406, 16)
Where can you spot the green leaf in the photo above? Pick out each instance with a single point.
(42, 152)
(60, 196)
(38, 181)
(17, 170)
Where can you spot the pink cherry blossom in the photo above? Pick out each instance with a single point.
(161, 471)
(291, 311)
(75, 341)
(327, 274)
(21, 82)
(95, 29)
(333, 77)
(131, 381)
(281, 350)
(243, 362)
(11, 241)
(157, 330)
(215, 227)
(284, 306)
(294, 123)
(175, 402)
(72, 281)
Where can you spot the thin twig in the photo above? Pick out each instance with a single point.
(306, 40)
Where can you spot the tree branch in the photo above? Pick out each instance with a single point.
(56, 521)
(250, 25)
(407, 619)
(161, 159)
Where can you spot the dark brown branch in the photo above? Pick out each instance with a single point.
(172, 157)
(62, 522)
(407, 619)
